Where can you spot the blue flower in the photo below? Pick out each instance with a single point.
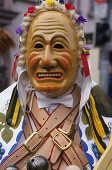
(80, 19)
(19, 30)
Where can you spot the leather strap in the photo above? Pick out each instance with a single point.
(73, 157)
(43, 151)
(63, 165)
(57, 164)
(67, 126)
(76, 139)
(81, 155)
(42, 114)
(52, 122)
(27, 127)
(62, 141)
(35, 122)
(70, 152)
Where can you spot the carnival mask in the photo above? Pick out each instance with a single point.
(52, 53)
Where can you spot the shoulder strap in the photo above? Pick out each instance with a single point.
(52, 122)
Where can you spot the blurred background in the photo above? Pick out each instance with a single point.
(98, 32)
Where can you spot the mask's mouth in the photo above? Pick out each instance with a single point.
(49, 75)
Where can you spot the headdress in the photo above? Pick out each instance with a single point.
(53, 5)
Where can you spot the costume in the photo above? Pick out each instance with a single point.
(54, 100)
(88, 143)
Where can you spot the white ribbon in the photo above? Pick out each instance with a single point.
(44, 101)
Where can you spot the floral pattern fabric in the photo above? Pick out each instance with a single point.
(9, 135)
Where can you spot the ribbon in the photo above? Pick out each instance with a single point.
(84, 61)
(14, 68)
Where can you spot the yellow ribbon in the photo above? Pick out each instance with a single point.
(50, 2)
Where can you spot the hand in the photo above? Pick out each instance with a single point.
(73, 167)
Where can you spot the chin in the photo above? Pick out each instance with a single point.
(50, 90)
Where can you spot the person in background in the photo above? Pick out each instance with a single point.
(110, 76)
(4, 81)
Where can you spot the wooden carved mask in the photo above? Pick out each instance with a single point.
(52, 53)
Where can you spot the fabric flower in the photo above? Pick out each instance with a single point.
(30, 10)
(69, 6)
(25, 14)
(50, 2)
(15, 55)
(19, 30)
(86, 50)
(80, 19)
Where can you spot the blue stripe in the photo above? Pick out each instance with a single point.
(85, 148)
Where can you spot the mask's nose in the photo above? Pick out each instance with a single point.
(48, 61)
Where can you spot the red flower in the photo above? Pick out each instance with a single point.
(69, 6)
(72, 7)
(25, 14)
(31, 9)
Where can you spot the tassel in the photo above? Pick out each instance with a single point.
(84, 61)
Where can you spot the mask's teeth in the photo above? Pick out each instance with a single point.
(55, 75)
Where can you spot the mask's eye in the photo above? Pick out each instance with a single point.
(38, 45)
(58, 46)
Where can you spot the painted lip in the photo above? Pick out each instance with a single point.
(49, 75)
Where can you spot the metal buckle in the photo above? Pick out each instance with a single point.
(36, 148)
(65, 135)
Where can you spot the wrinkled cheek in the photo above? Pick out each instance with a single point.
(32, 64)
(66, 64)
(32, 59)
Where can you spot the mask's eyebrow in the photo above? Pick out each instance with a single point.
(53, 37)
(38, 35)
(60, 36)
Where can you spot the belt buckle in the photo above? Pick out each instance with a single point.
(36, 148)
(65, 135)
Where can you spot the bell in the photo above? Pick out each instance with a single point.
(38, 163)
(12, 167)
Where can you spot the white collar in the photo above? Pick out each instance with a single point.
(43, 101)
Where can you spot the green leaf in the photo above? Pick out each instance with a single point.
(7, 134)
(84, 118)
(2, 126)
(2, 117)
(88, 133)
